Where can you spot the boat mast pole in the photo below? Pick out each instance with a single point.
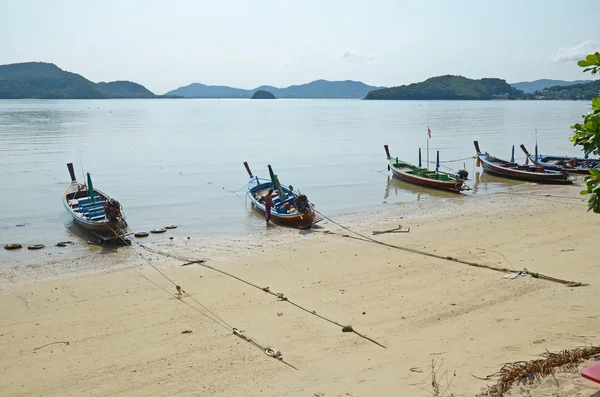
(427, 166)
(536, 146)
(81, 165)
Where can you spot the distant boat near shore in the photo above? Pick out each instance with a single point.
(576, 165)
(510, 169)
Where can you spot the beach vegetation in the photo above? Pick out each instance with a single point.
(587, 135)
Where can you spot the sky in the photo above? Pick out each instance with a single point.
(167, 44)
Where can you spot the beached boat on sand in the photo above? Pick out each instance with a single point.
(94, 210)
(290, 207)
(574, 165)
(509, 169)
(423, 177)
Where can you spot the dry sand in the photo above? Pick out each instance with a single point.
(124, 325)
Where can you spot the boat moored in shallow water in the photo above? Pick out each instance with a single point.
(94, 210)
(290, 207)
(424, 177)
(510, 169)
(574, 165)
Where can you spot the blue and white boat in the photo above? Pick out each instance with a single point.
(94, 210)
(290, 207)
(573, 165)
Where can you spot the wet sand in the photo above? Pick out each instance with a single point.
(125, 326)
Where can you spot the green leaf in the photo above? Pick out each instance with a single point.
(592, 59)
(594, 172)
(584, 64)
(584, 192)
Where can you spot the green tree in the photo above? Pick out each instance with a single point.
(587, 135)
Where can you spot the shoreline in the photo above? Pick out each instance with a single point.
(117, 258)
(41, 265)
(125, 327)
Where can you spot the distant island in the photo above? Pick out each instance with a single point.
(530, 87)
(461, 88)
(449, 87)
(42, 80)
(262, 94)
(315, 89)
(583, 91)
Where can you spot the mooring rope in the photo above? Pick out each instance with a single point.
(452, 259)
(279, 296)
(216, 319)
(453, 161)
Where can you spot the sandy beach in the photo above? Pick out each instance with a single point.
(129, 335)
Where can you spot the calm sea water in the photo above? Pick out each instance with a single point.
(178, 161)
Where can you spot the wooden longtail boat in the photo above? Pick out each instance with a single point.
(94, 210)
(290, 207)
(423, 177)
(509, 169)
(573, 165)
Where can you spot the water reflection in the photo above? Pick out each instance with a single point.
(409, 192)
(486, 183)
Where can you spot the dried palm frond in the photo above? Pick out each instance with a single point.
(527, 372)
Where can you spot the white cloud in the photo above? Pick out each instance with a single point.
(575, 53)
(349, 54)
(356, 56)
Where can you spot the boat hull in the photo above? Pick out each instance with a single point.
(545, 162)
(297, 220)
(453, 184)
(572, 165)
(506, 169)
(106, 231)
(300, 221)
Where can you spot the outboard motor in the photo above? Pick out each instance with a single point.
(463, 174)
(301, 203)
(112, 209)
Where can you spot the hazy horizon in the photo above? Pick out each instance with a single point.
(245, 44)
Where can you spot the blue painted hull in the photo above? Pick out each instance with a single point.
(582, 165)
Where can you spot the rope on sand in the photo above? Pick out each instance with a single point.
(66, 342)
(449, 258)
(211, 315)
(280, 296)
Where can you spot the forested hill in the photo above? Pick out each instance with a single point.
(449, 87)
(48, 81)
(124, 89)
